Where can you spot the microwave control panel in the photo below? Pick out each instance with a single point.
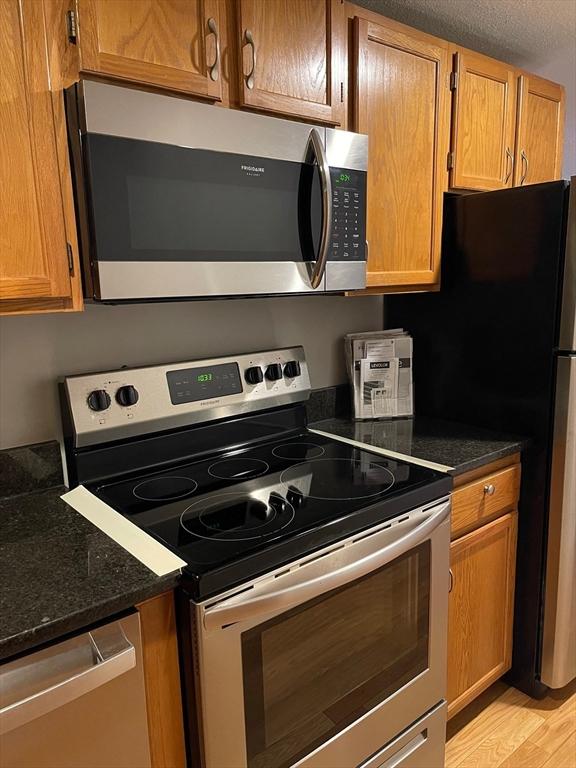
(348, 234)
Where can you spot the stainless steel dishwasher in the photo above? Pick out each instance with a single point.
(79, 703)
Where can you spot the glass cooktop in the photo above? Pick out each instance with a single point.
(241, 513)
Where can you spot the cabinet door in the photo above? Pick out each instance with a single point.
(483, 123)
(168, 43)
(34, 266)
(481, 609)
(291, 57)
(540, 130)
(401, 100)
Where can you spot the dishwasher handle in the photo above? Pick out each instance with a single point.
(92, 659)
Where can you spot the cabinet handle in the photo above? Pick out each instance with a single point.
(510, 157)
(451, 574)
(524, 167)
(249, 40)
(215, 67)
(489, 489)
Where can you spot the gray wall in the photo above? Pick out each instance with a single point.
(36, 350)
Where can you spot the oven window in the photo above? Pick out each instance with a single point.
(157, 202)
(315, 669)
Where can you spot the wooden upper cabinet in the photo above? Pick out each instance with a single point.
(34, 251)
(481, 608)
(483, 124)
(291, 57)
(172, 44)
(401, 100)
(539, 132)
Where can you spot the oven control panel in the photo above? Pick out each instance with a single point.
(115, 405)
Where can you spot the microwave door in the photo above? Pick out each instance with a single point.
(172, 221)
(178, 199)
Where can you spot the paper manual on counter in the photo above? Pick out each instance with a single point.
(379, 365)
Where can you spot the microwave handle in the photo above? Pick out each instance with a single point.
(316, 146)
(223, 615)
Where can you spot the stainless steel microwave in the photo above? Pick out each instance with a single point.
(177, 199)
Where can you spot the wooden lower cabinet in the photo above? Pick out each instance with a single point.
(162, 681)
(481, 608)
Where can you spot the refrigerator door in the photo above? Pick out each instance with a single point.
(567, 339)
(485, 354)
(559, 642)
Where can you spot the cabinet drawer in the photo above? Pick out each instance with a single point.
(482, 500)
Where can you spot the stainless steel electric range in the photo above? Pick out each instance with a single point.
(313, 606)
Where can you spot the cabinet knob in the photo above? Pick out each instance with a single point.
(489, 489)
(451, 574)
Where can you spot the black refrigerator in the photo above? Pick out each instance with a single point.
(495, 348)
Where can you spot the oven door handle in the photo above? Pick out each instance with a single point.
(242, 608)
(316, 150)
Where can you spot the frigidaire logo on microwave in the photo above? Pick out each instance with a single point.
(252, 169)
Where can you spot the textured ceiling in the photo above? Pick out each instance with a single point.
(516, 31)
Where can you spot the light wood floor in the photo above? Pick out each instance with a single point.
(504, 728)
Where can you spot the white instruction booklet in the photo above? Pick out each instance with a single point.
(380, 369)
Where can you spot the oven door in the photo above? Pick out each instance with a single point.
(189, 200)
(326, 661)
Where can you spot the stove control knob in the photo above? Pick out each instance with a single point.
(292, 369)
(274, 372)
(98, 400)
(254, 375)
(127, 395)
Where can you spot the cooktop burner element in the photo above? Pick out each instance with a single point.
(242, 468)
(298, 451)
(165, 488)
(235, 517)
(334, 479)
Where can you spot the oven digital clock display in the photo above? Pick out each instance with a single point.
(191, 384)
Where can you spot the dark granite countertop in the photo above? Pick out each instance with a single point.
(59, 573)
(457, 447)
